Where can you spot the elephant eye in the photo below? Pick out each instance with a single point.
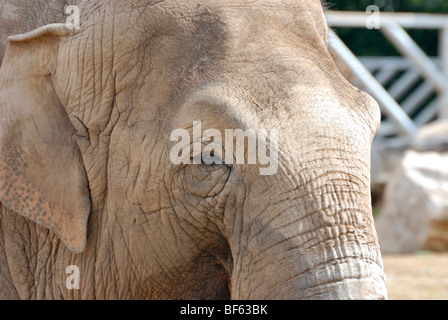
(203, 179)
(211, 155)
(209, 159)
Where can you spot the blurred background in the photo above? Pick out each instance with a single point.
(374, 43)
(407, 55)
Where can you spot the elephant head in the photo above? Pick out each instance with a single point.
(86, 145)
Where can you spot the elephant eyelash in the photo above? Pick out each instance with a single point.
(195, 160)
(199, 158)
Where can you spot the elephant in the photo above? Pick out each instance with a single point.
(87, 183)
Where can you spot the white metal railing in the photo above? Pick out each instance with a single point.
(392, 25)
(403, 81)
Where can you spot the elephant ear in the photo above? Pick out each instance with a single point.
(42, 176)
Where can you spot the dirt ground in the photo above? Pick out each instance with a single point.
(422, 276)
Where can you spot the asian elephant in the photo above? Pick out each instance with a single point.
(87, 177)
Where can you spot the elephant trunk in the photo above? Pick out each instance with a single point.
(314, 240)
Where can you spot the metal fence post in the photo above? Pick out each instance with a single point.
(392, 26)
(443, 55)
(388, 105)
(404, 43)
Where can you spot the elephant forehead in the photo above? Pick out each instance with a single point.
(327, 105)
(321, 110)
(241, 21)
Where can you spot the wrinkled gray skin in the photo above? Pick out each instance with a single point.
(86, 177)
(20, 16)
